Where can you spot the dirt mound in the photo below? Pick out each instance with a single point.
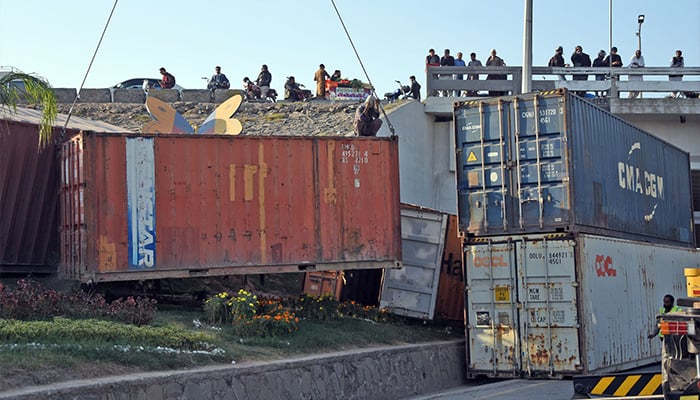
(322, 118)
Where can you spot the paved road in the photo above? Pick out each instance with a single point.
(511, 389)
(521, 389)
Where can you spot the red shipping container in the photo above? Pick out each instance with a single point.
(170, 206)
(323, 283)
(28, 202)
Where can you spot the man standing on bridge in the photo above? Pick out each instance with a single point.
(580, 59)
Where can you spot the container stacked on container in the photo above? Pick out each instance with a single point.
(577, 224)
(168, 206)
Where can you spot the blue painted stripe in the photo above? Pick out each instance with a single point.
(141, 202)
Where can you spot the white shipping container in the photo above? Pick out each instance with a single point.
(560, 305)
(412, 289)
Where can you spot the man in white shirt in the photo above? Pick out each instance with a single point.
(637, 61)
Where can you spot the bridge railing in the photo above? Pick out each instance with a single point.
(447, 80)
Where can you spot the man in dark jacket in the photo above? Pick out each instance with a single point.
(446, 61)
(415, 88)
(557, 60)
(600, 62)
(263, 81)
(613, 59)
(292, 91)
(580, 59)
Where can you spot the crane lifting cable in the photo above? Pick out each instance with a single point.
(77, 96)
(391, 127)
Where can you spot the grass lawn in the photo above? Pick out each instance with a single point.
(70, 349)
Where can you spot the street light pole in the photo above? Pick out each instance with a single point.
(640, 20)
(526, 84)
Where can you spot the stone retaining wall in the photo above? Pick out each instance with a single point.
(392, 372)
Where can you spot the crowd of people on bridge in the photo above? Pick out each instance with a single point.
(579, 59)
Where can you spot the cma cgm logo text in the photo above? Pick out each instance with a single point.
(486, 262)
(636, 180)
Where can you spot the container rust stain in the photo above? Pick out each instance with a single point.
(182, 205)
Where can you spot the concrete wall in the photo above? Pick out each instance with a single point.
(425, 156)
(67, 95)
(445, 181)
(95, 96)
(129, 96)
(377, 373)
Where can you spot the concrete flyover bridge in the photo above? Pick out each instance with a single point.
(676, 120)
(654, 81)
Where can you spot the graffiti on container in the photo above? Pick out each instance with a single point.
(486, 262)
(140, 181)
(452, 267)
(603, 266)
(640, 181)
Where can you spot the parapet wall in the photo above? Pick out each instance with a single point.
(377, 373)
(67, 95)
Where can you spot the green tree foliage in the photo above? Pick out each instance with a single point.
(34, 90)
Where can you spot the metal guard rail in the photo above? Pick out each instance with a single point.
(615, 80)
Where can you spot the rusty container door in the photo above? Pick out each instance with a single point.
(549, 323)
(323, 283)
(73, 229)
(412, 290)
(28, 203)
(450, 295)
(522, 308)
(180, 205)
(493, 346)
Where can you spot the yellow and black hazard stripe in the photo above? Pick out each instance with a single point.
(619, 385)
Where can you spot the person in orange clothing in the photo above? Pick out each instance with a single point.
(320, 77)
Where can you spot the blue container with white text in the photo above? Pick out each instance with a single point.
(553, 162)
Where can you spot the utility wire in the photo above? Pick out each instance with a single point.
(77, 97)
(391, 127)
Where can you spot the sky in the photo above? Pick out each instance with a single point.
(57, 39)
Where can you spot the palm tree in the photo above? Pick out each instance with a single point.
(36, 91)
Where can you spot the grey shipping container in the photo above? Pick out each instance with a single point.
(412, 290)
(566, 304)
(548, 162)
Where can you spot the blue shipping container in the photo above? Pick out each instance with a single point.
(553, 162)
